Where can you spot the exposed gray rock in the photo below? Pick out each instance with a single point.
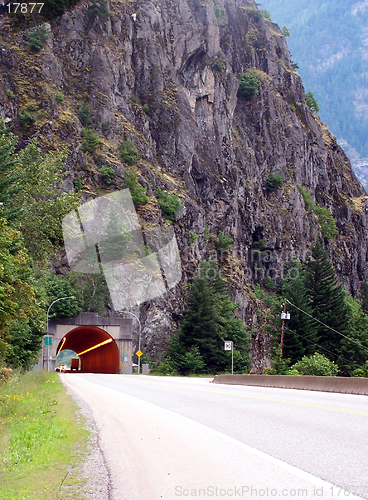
(198, 137)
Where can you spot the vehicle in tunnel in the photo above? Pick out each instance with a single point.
(74, 364)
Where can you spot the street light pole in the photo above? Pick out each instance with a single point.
(47, 324)
(139, 338)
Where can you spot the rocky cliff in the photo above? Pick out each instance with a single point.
(164, 74)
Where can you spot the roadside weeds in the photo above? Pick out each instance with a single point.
(43, 440)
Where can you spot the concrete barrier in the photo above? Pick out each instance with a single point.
(347, 385)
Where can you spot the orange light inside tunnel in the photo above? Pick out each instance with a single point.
(86, 340)
(95, 347)
(61, 347)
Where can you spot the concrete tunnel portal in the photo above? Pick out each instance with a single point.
(96, 349)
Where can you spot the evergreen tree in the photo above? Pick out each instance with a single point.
(174, 358)
(327, 298)
(364, 297)
(293, 347)
(193, 361)
(230, 327)
(199, 325)
(311, 102)
(317, 292)
(353, 355)
(208, 322)
(301, 331)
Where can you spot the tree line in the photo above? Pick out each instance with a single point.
(326, 334)
(324, 319)
(32, 207)
(209, 320)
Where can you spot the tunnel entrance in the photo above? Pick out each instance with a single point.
(82, 334)
(96, 349)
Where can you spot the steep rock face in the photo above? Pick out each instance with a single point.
(164, 74)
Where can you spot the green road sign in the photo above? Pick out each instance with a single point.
(48, 340)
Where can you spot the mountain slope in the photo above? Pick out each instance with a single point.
(164, 75)
(328, 40)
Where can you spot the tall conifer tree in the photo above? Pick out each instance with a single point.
(209, 320)
(301, 334)
(327, 298)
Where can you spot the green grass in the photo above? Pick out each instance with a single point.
(41, 441)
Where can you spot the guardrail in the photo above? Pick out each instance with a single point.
(346, 385)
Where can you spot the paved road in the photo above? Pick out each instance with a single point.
(170, 438)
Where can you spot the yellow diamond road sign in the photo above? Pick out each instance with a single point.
(139, 353)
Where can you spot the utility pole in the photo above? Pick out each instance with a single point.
(283, 317)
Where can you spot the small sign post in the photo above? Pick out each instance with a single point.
(48, 342)
(139, 354)
(229, 346)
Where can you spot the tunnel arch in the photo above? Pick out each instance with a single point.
(95, 347)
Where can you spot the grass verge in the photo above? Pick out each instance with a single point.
(42, 441)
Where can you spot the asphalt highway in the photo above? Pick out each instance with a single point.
(172, 437)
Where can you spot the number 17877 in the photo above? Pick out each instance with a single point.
(24, 8)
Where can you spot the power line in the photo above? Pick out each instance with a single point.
(331, 352)
(339, 333)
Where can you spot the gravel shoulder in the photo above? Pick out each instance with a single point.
(93, 471)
